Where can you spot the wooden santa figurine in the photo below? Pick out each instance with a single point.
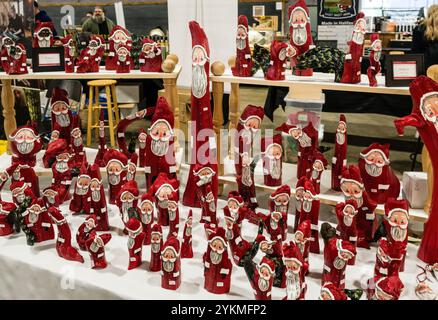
(85, 230)
(261, 277)
(296, 270)
(77, 143)
(310, 211)
(186, 247)
(96, 248)
(17, 60)
(147, 214)
(337, 252)
(272, 152)
(171, 264)
(43, 35)
(135, 242)
(173, 210)
(69, 54)
(161, 189)
(278, 56)
(37, 220)
(61, 114)
(243, 64)
(203, 177)
(127, 201)
(156, 245)
(116, 163)
(375, 55)
(98, 205)
(90, 58)
(118, 37)
(387, 288)
(302, 239)
(319, 164)
(124, 61)
(81, 195)
(6, 47)
(150, 59)
(389, 258)
(279, 200)
(235, 208)
(299, 197)
(346, 213)
(339, 160)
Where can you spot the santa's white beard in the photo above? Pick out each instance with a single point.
(229, 234)
(234, 213)
(125, 210)
(95, 195)
(131, 242)
(122, 58)
(212, 206)
(94, 247)
(263, 284)
(273, 224)
(358, 37)
(51, 200)
(305, 140)
(129, 176)
(293, 285)
(426, 295)
(339, 263)
(348, 221)
(93, 51)
(215, 257)
(44, 43)
(25, 147)
(301, 246)
(149, 55)
(281, 208)
(199, 81)
(299, 35)
(159, 148)
(168, 266)
(172, 215)
(77, 142)
(359, 201)
(246, 135)
(142, 145)
(114, 179)
(188, 231)
(377, 55)
(241, 44)
(144, 218)
(275, 168)
(307, 205)
(163, 204)
(155, 247)
(246, 176)
(63, 120)
(298, 204)
(340, 138)
(81, 191)
(398, 233)
(373, 170)
(61, 166)
(315, 174)
(20, 198)
(33, 217)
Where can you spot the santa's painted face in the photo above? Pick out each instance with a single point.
(163, 196)
(266, 247)
(340, 133)
(82, 184)
(172, 206)
(156, 242)
(142, 140)
(169, 259)
(298, 20)
(217, 247)
(303, 139)
(93, 45)
(377, 48)
(25, 140)
(241, 38)
(122, 54)
(275, 218)
(317, 167)
(7, 43)
(300, 240)
(349, 214)
(18, 53)
(429, 108)
(3, 176)
(147, 210)
(374, 163)
(34, 212)
(281, 203)
(119, 37)
(253, 124)
(274, 152)
(44, 36)
(292, 265)
(379, 294)
(291, 51)
(199, 75)
(62, 160)
(18, 194)
(148, 49)
(114, 170)
(324, 295)
(352, 190)
(359, 32)
(50, 195)
(160, 133)
(95, 189)
(90, 224)
(77, 137)
(399, 222)
(234, 207)
(307, 201)
(205, 175)
(60, 110)
(211, 202)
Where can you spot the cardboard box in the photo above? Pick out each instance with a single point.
(415, 188)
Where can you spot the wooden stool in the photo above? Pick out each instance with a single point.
(95, 108)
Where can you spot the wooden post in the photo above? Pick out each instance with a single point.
(233, 115)
(8, 103)
(218, 121)
(171, 94)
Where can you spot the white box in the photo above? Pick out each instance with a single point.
(415, 188)
(128, 93)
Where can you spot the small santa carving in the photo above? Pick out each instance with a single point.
(147, 214)
(280, 51)
(310, 211)
(142, 138)
(127, 201)
(243, 64)
(150, 59)
(319, 164)
(101, 150)
(69, 54)
(62, 117)
(17, 60)
(131, 169)
(118, 37)
(261, 277)
(302, 239)
(387, 288)
(171, 264)
(135, 242)
(124, 60)
(81, 196)
(96, 248)
(90, 58)
(274, 251)
(156, 245)
(161, 189)
(337, 253)
(77, 143)
(6, 227)
(339, 160)
(275, 225)
(299, 197)
(85, 230)
(116, 163)
(20, 191)
(235, 208)
(296, 270)
(375, 55)
(173, 210)
(389, 258)
(97, 199)
(6, 48)
(279, 200)
(347, 229)
(272, 152)
(203, 179)
(186, 247)
(43, 35)
(37, 220)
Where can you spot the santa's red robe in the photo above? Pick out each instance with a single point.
(150, 62)
(389, 258)
(39, 221)
(277, 68)
(69, 54)
(344, 231)
(311, 213)
(135, 246)
(97, 252)
(243, 64)
(186, 247)
(217, 276)
(6, 228)
(339, 159)
(365, 221)
(375, 66)
(111, 60)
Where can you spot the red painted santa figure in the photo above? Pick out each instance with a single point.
(62, 118)
(319, 164)
(50, 196)
(116, 163)
(97, 199)
(296, 270)
(353, 188)
(243, 64)
(131, 169)
(339, 160)
(337, 252)
(346, 213)
(156, 245)
(127, 200)
(38, 221)
(278, 55)
(299, 193)
(173, 210)
(171, 264)
(81, 196)
(302, 239)
(96, 248)
(274, 251)
(300, 32)
(150, 59)
(20, 191)
(261, 277)
(121, 130)
(147, 213)
(89, 60)
(25, 144)
(375, 66)
(161, 189)
(307, 141)
(331, 292)
(77, 143)
(272, 152)
(142, 137)
(124, 61)
(118, 37)
(6, 227)
(204, 148)
(275, 225)
(203, 179)
(424, 92)
(101, 150)
(43, 35)
(208, 207)
(159, 151)
(217, 264)
(6, 45)
(279, 199)
(235, 208)
(85, 230)
(69, 54)
(186, 247)
(378, 177)
(389, 258)
(352, 63)
(63, 242)
(310, 211)
(135, 242)
(17, 60)
(387, 288)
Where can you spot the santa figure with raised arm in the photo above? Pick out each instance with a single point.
(81, 196)
(243, 64)
(279, 53)
(378, 177)
(339, 160)
(186, 247)
(62, 117)
(95, 245)
(387, 288)
(127, 201)
(97, 199)
(337, 253)
(118, 37)
(171, 264)
(69, 54)
(77, 143)
(85, 230)
(352, 63)
(261, 277)
(275, 225)
(161, 189)
(241, 250)
(43, 35)
(346, 213)
(217, 264)
(150, 59)
(353, 188)
(159, 154)
(17, 61)
(279, 200)
(173, 210)
(38, 221)
(135, 242)
(90, 58)
(156, 245)
(124, 61)
(274, 251)
(310, 211)
(389, 258)
(299, 193)
(20, 191)
(300, 32)
(147, 213)
(272, 152)
(296, 270)
(375, 55)
(235, 208)
(116, 163)
(319, 164)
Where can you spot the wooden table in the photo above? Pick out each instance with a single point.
(8, 101)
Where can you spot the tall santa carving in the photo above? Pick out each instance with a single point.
(375, 55)
(339, 160)
(319, 164)
(97, 199)
(116, 163)
(135, 242)
(310, 211)
(171, 264)
(201, 115)
(69, 54)
(272, 152)
(118, 37)
(156, 245)
(150, 59)
(61, 113)
(279, 53)
(243, 64)
(347, 229)
(296, 270)
(17, 60)
(161, 189)
(147, 213)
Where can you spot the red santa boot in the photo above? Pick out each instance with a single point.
(277, 68)
(331, 292)
(186, 247)
(97, 203)
(96, 248)
(310, 211)
(43, 35)
(347, 229)
(339, 159)
(156, 245)
(296, 270)
(69, 54)
(319, 164)
(85, 230)
(150, 59)
(161, 189)
(82, 191)
(173, 211)
(135, 242)
(375, 55)
(147, 213)
(127, 200)
(337, 252)
(118, 37)
(171, 264)
(299, 198)
(388, 288)
(272, 162)
(261, 277)
(243, 64)
(116, 163)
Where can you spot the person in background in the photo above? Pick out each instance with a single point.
(15, 23)
(425, 37)
(88, 15)
(98, 24)
(41, 16)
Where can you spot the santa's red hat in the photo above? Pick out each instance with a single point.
(31, 128)
(359, 16)
(333, 291)
(174, 197)
(129, 186)
(304, 228)
(163, 112)
(276, 47)
(283, 190)
(352, 174)
(156, 228)
(292, 252)
(54, 149)
(148, 41)
(92, 217)
(120, 29)
(390, 285)
(343, 119)
(299, 5)
(374, 38)
(382, 149)
(133, 225)
(234, 195)
(318, 156)
(95, 172)
(60, 95)
(134, 159)
(67, 39)
(242, 22)
(218, 233)
(147, 197)
(163, 180)
(98, 39)
(171, 243)
(308, 187)
(271, 141)
(392, 205)
(75, 123)
(268, 263)
(198, 167)
(199, 38)
(301, 182)
(44, 26)
(21, 185)
(252, 111)
(84, 170)
(344, 245)
(115, 155)
(421, 88)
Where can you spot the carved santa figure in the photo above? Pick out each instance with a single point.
(275, 225)
(77, 143)
(142, 138)
(161, 189)
(147, 213)
(217, 264)
(85, 230)
(173, 210)
(346, 213)
(261, 277)
(319, 164)
(278, 55)
(387, 288)
(95, 245)
(186, 247)
(171, 264)
(339, 160)
(101, 150)
(331, 292)
(375, 55)
(272, 152)
(20, 191)
(129, 150)
(81, 196)
(279, 201)
(296, 270)
(124, 61)
(63, 242)
(204, 147)
(62, 118)
(302, 239)
(159, 152)
(127, 200)
(25, 144)
(300, 32)
(116, 163)
(17, 60)
(156, 245)
(389, 258)
(243, 64)
(242, 251)
(353, 188)
(50, 196)
(118, 37)
(6, 45)
(6, 227)
(310, 211)
(378, 177)
(43, 35)
(69, 54)
(150, 59)
(397, 220)
(135, 242)
(89, 60)
(337, 252)
(97, 199)
(203, 176)
(235, 208)
(299, 193)
(38, 221)
(131, 169)
(274, 251)
(352, 63)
